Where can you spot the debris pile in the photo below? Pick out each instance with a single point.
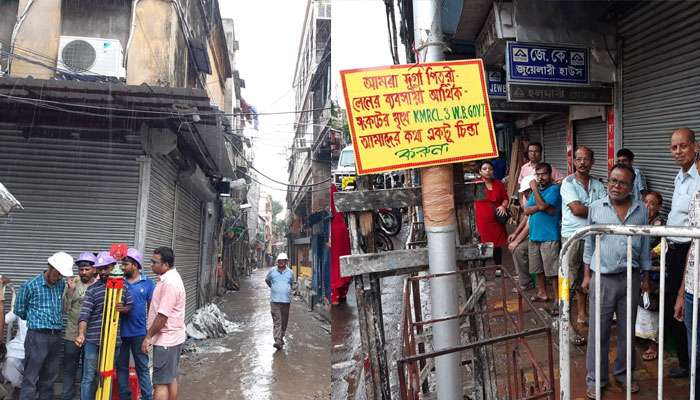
(209, 322)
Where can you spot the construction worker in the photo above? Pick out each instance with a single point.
(133, 327)
(90, 323)
(40, 303)
(280, 280)
(72, 303)
(166, 324)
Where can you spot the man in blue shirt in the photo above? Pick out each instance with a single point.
(544, 211)
(133, 327)
(280, 280)
(686, 183)
(40, 303)
(618, 208)
(578, 191)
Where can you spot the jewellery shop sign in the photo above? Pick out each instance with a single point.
(538, 73)
(418, 115)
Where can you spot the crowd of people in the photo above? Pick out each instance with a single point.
(60, 313)
(555, 206)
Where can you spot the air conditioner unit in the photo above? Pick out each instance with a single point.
(91, 56)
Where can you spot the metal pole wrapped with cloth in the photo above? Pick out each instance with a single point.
(440, 222)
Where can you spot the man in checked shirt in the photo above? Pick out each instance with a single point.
(619, 207)
(40, 303)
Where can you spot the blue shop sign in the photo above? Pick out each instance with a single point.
(541, 63)
(496, 82)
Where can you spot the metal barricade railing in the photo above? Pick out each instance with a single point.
(630, 231)
(416, 361)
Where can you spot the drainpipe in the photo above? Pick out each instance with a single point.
(440, 221)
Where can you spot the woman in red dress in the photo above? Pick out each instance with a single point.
(496, 201)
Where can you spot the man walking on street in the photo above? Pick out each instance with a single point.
(133, 327)
(578, 191)
(72, 303)
(687, 181)
(280, 280)
(40, 303)
(544, 211)
(618, 208)
(166, 324)
(90, 323)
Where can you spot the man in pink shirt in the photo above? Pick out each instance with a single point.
(166, 324)
(534, 157)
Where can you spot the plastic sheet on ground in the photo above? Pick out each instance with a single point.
(209, 322)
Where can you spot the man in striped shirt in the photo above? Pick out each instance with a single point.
(618, 208)
(40, 303)
(90, 326)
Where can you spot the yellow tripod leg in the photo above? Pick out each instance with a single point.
(103, 331)
(107, 343)
(112, 342)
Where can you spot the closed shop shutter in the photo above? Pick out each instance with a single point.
(188, 234)
(554, 141)
(592, 133)
(161, 204)
(78, 195)
(660, 85)
(533, 133)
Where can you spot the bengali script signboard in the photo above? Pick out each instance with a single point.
(408, 116)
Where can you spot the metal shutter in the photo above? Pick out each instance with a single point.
(78, 195)
(188, 234)
(660, 85)
(161, 204)
(554, 142)
(592, 133)
(533, 133)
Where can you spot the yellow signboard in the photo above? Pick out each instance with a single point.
(408, 116)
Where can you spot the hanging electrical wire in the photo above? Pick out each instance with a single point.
(240, 153)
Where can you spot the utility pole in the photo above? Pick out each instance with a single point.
(440, 221)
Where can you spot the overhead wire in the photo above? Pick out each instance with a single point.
(251, 166)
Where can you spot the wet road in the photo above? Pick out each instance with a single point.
(253, 369)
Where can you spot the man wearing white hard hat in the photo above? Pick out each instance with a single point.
(280, 280)
(518, 241)
(40, 303)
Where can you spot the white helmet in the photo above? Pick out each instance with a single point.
(282, 256)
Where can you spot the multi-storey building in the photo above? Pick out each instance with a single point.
(111, 131)
(310, 163)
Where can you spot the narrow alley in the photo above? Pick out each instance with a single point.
(245, 366)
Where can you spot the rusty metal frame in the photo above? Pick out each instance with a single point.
(415, 362)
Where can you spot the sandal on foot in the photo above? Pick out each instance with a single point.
(538, 299)
(578, 340)
(590, 393)
(634, 386)
(650, 355)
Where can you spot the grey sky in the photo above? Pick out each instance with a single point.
(268, 32)
(358, 45)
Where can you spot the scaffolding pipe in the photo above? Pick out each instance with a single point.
(440, 221)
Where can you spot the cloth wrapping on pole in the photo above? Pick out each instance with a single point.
(8, 202)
